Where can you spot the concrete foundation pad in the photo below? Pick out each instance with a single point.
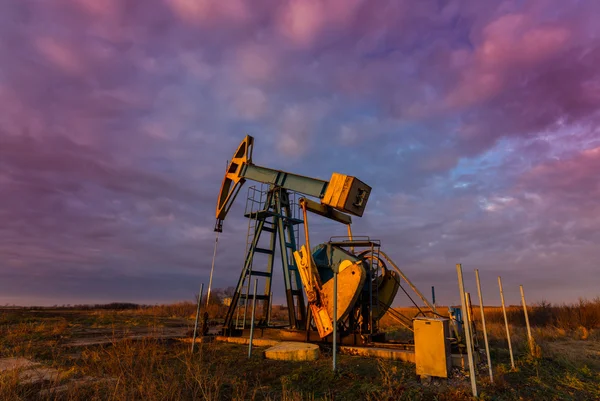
(293, 351)
(458, 360)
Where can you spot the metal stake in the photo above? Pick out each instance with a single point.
(335, 295)
(433, 297)
(485, 338)
(212, 269)
(270, 307)
(527, 320)
(197, 315)
(252, 319)
(469, 310)
(471, 320)
(512, 359)
(467, 327)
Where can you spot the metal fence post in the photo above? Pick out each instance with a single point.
(335, 297)
(512, 359)
(474, 338)
(212, 269)
(467, 328)
(270, 308)
(197, 315)
(252, 319)
(530, 338)
(485, 338)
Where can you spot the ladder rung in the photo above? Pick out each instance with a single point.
(251, 296)
(260, 274)
(263, 250)
(268, 229)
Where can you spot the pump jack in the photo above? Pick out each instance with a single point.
(367, 287)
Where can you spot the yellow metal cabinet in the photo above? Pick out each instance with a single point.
(432, 346)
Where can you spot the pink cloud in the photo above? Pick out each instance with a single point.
(575, 175)
(60, 54)
(250, 103)
(513, 39)
(508, 43)
(297, 127)
(191, 11)
(304, 21)
(301, 20)
(256, 62)
(102, 9)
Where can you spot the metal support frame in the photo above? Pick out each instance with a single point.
(252, 319)
(273, 216)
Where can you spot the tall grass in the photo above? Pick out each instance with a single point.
(585, 313)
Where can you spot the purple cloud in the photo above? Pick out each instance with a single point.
(475, 125)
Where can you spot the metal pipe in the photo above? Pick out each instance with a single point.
(270, 307)
(197, 315)
(407, 280)
(246, 300)
(433, 298)
(308, 250)
(527, 320)
(485, 338)
(463, 301)
(252, 319)
(512, 359)
(335, 299)
(370, 278)
(350, 237)
(212, 269)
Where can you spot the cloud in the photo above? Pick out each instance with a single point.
(474, 124)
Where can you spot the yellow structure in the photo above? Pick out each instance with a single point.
(432, 346)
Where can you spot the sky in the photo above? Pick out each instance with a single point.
(475, 123)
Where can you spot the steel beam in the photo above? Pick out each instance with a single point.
(294, 182)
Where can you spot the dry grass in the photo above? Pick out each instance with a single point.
(150, 369)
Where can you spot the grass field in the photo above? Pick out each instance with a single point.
(104, 354)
